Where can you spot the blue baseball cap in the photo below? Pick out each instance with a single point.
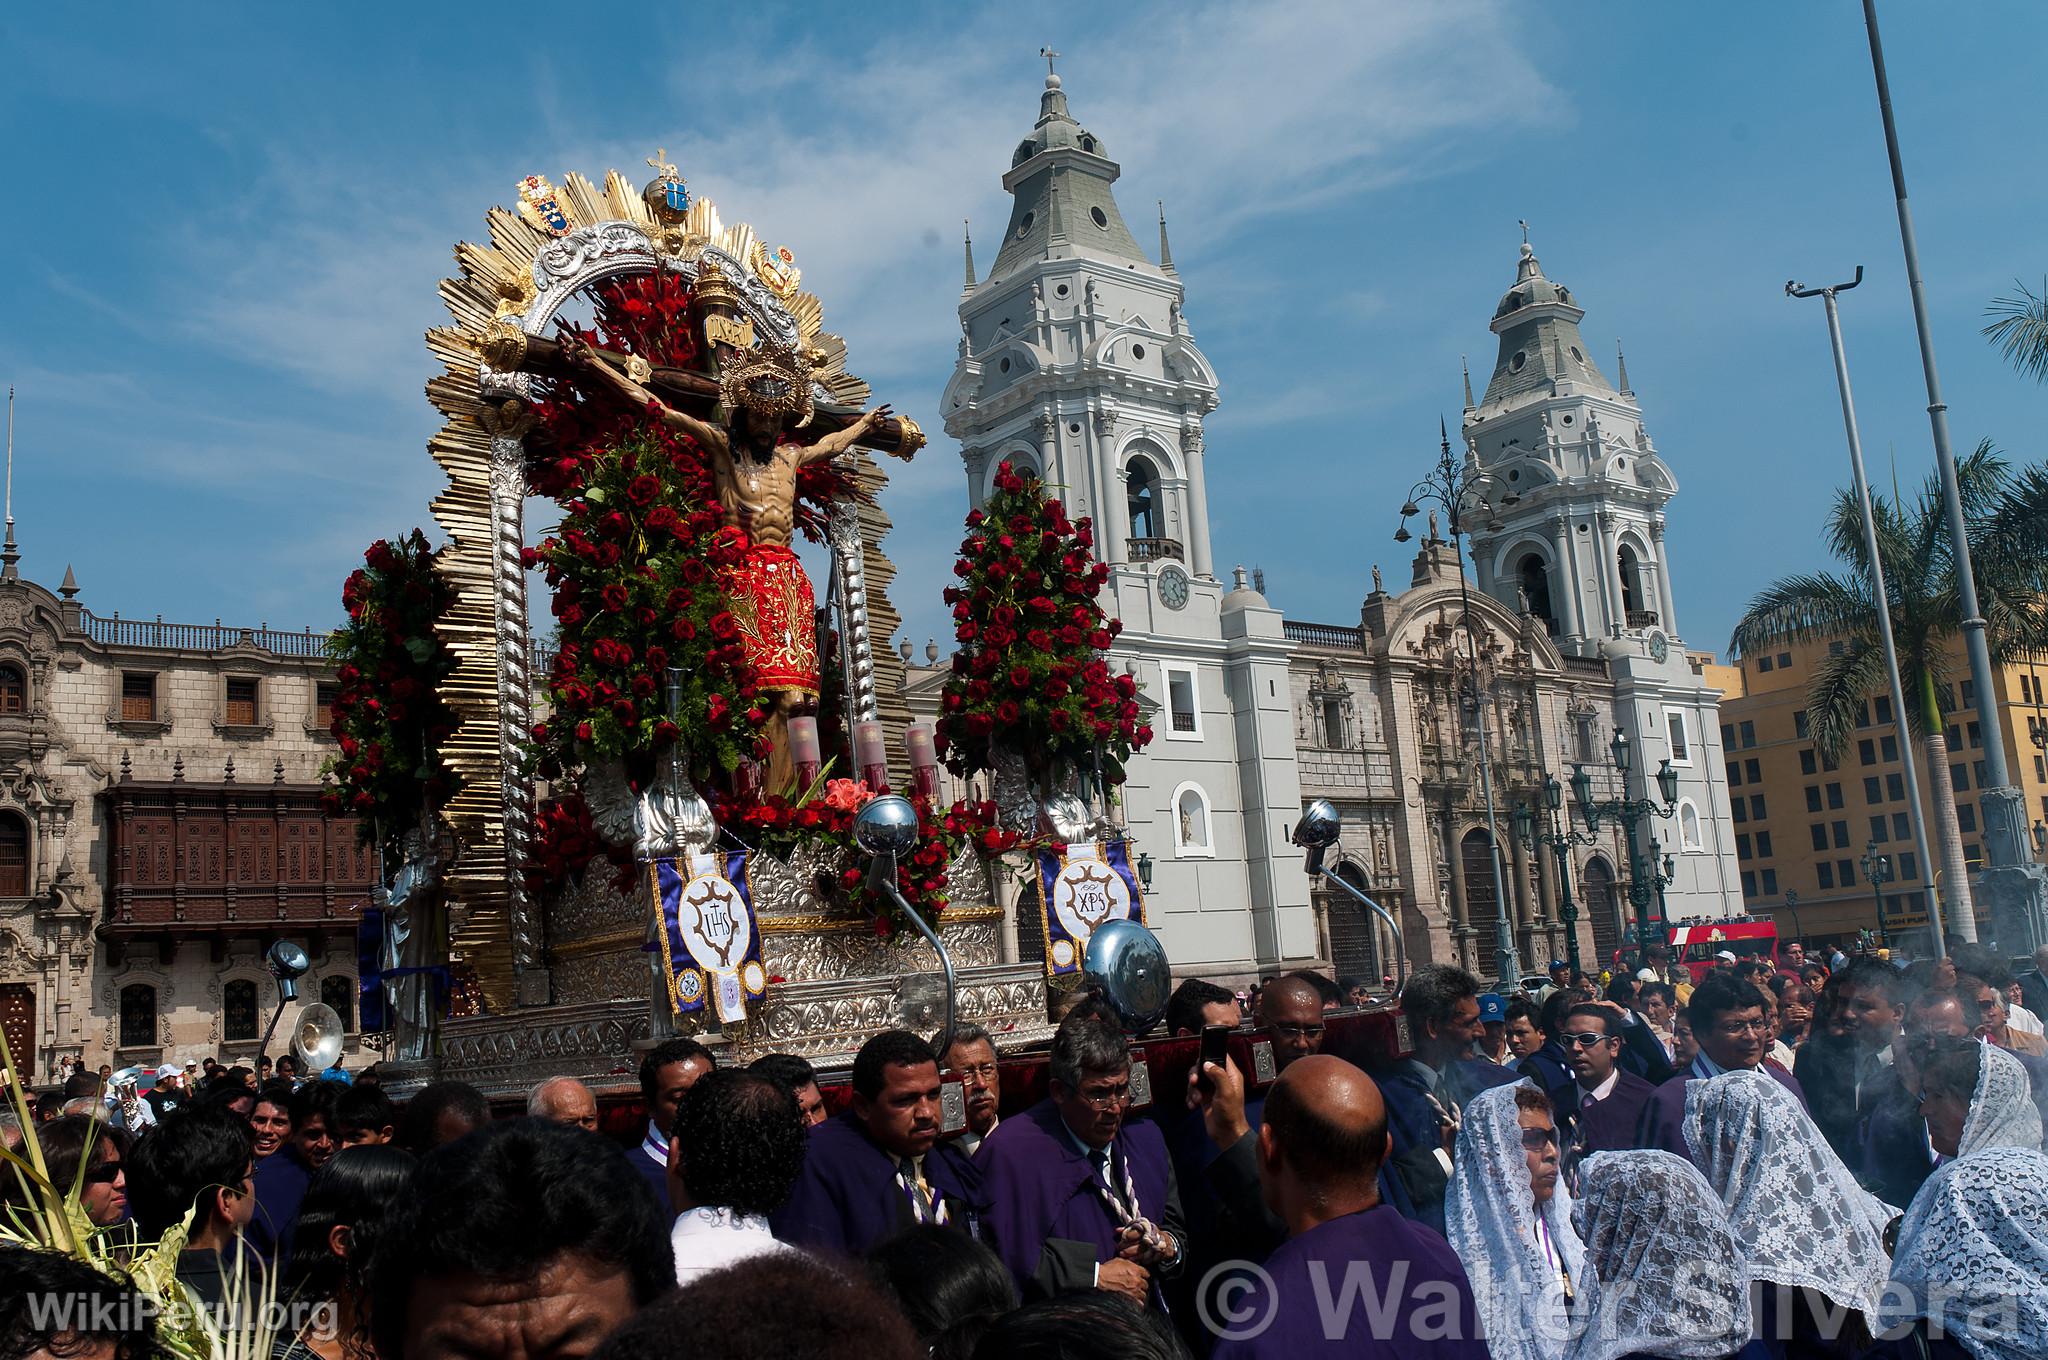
(1493, 1008)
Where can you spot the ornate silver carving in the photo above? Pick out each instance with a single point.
(508, 424)
(1016, 796)
(850, 592)
(506, 1054)
(666, 818)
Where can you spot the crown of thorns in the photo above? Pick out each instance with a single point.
(772, 380)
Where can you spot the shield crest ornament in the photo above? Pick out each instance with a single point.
(541, 206)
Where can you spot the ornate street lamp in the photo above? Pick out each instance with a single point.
(1459, 490)
(1560, 838)
(1650, 873)
(1878, 869)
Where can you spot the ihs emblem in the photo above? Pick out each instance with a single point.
(541, 207)
(667, 195)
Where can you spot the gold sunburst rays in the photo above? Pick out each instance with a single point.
(493, 289)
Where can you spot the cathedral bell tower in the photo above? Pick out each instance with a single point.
(1577, 541)
(1077, 365)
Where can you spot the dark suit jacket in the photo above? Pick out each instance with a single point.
(1418, 1134)
(1662, 1124)
(1548, 1069)
(1892, 1159)
(2034, 992)
(1610, 1125)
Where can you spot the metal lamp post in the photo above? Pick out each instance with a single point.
(1316, 832)
(1454, 489)
(1647, 874)
(1792, 905)
(1560, 838)
(1878, 869)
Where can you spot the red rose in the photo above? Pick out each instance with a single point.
(1007, 712)
(724, 627)
(683, 630)
(614, 598)
(583, 731)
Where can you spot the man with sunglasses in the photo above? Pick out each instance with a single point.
(1728, 1023)
(198, 1162)
(1081, 1198)
(1607, 1100)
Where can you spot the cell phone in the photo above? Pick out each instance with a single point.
(1215, 1049)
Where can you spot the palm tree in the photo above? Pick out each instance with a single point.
(2021, 330)
(1920, 580)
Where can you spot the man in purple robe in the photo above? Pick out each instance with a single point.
(1078, 1197)
(669, 1070)
(1607, 1100)
(878, 1167)
(1727, 1019)
(1354, 1278)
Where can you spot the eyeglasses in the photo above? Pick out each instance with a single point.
(986, 1071)
(106, 1173)
(1535, 1140)
(1296, 1031)
(1106, 1100)
(1731, 1028)
(1585, 1040)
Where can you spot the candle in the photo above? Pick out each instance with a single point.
(803, 751)
(871, 756)
(924, 760)
(746, 778)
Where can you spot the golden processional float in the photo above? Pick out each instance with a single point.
(663, 820)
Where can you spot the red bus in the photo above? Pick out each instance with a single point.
(1698, 948)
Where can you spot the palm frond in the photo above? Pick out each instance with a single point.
(2020, 329)
(1798, 608)
(1841, 683)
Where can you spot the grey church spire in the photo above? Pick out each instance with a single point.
(967, 233)
(1062, 206)
(1165, 250)
(1540, 346)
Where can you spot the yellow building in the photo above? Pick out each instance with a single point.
(1806, 826)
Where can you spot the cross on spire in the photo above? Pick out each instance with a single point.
(1048, 54)
(1523, 223)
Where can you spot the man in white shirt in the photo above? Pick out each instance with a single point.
(735, 1149)
(2019, 1017)
(971, 1056)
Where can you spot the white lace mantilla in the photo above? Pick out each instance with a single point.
(1664, 1275)
(1800, 1215)
(2002, 1110)
(1973, 1255)
(1491, 1220)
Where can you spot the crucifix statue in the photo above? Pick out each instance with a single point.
(764, 392)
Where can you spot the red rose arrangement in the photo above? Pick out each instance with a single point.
(388, 718)
(1030, 674)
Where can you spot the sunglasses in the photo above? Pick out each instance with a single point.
(1585, 1040)
(106, 1173)
(1535, 1140)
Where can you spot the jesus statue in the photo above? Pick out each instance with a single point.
(755, 474)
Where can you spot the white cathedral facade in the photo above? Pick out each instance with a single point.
(1077, 363)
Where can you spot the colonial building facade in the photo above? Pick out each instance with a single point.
(1077, 364)
(160, 827)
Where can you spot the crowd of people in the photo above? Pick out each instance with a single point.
(1776, 1160)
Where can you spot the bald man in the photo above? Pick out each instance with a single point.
(1400, 1288)
(1291, 1009)
(563, 1100)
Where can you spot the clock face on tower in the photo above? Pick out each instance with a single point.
(1660, 647)
(1173, 587)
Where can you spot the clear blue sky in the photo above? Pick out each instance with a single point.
(226, 223)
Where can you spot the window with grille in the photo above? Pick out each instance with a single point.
(13, 690)
(241, 706)
(324, 695)
(238, 1011)
(1180, 700)
(13, 856)
(138, 696)
(340, 993)
(138, 1015)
